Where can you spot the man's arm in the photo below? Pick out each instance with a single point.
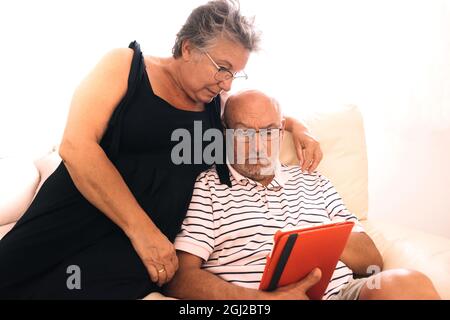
(360, 253)
(191, 282)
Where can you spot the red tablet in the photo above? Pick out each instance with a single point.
(298, 251)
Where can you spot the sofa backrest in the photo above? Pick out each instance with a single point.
(340, 132)
(341, 135)
(18, 181)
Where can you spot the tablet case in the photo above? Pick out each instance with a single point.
(297, 252)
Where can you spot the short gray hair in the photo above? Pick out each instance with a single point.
(217, 18)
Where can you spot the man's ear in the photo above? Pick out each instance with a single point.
(224, 125)
(223, 101)
(283, 126)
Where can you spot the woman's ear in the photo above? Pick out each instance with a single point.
(186, 50)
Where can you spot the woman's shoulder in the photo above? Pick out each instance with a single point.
(118, 59)
(114, 68)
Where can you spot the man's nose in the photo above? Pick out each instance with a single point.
(260, 143)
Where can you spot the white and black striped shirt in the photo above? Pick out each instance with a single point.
(232, 229)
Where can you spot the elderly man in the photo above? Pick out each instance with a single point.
(228, 231)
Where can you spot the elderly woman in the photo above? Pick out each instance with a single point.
(103, 223)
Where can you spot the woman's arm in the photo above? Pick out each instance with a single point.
(93, 173)
(307, 147)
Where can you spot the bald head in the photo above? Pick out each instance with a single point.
(252, 109)
(255, 156)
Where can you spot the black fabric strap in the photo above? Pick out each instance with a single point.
(116, 121)
(282, 261)
(216, 121)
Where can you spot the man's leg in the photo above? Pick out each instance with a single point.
(399, 284)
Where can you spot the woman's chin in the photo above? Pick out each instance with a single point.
(206, 98)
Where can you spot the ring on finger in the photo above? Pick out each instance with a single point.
(161, 270)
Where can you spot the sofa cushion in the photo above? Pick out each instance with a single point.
(19, 179)
(402, 247)
(46, 166)
(341, 135)
(4, 229)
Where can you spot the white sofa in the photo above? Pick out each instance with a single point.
(341, 134)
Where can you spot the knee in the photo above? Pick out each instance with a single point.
(402, 284)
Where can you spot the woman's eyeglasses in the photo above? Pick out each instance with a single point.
(224, 74)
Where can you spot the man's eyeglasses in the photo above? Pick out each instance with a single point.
(247, 135)
(224, 74)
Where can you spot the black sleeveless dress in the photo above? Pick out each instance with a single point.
(62, 232)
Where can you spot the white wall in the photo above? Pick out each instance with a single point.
(48, 46)
(390, 57)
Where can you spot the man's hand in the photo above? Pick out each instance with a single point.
(296, 291)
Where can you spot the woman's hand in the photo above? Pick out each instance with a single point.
(156, 252)
(307, 147)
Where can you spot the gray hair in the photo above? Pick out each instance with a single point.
(217, 18)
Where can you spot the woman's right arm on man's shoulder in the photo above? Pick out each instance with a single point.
(93, 173)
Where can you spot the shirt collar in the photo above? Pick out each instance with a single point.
(278, 181)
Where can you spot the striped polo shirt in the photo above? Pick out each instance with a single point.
(232, 229)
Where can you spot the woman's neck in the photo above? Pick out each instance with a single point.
(172, 68)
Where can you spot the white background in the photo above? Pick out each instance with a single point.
(389, 57)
